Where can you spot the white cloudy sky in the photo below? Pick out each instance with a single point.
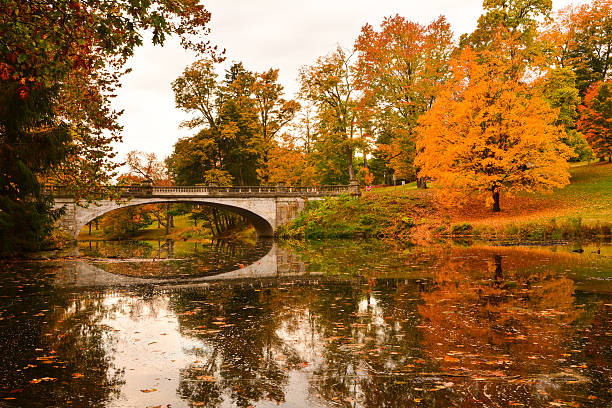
(284, 34)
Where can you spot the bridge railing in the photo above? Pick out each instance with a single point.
(247, 191)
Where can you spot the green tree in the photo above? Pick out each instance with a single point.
(580, 37)
(274, 113)
(518, 18)
(330, 86)
(558, 88)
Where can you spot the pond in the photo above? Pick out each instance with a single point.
(319, 324)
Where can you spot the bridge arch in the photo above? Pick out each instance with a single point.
(262, 217)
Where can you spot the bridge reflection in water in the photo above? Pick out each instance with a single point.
(263, 261)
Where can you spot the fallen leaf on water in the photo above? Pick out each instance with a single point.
(207, 378)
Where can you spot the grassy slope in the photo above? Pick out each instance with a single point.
(582, 208)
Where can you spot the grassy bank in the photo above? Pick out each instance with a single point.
(582, 209)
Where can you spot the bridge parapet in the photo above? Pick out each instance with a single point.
(215, 191)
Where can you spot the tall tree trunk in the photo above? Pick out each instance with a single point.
(89, 225)
(216, 220)
(265, 168)
(421, 182)
(496, 201)
(168, 219)
(349, 158)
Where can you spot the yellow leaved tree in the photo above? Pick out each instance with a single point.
(489, 133)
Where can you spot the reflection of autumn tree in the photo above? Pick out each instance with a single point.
(490, 323)
(59, 351)
(598, 353)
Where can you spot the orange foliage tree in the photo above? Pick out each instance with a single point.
(487, 134)
(399, 71)
(596, 119)
(291, 165)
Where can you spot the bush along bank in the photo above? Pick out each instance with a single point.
(366, 216)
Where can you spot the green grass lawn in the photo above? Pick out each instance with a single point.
(589, 195)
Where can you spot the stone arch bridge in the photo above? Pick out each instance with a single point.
(266, 207)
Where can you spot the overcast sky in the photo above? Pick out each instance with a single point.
(283, 34)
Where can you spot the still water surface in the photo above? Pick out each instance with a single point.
(334, 324)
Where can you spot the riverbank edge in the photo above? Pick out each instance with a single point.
(552, 229)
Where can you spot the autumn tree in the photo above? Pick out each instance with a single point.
(596, 119)
(126, 223)
(229, 139)
(487, 133)
(60, 63)
(305, 127)
(399, 70)
(147, 166)
(580, 37)
(329, 84)
(513, 19)
(291, 164)
(274, 113)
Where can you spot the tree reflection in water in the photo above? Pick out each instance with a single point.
(497, 331)
(53, 347)
(426, 327)
(473, 332)
(244, 351)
